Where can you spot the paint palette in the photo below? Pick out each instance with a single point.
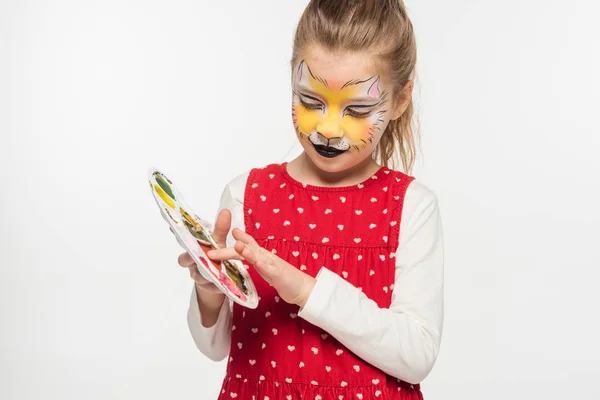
(194, 235)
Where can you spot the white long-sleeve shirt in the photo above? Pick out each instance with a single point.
(402, 341)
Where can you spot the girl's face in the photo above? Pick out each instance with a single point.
(341, 106)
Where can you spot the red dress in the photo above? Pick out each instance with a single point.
(353, 231)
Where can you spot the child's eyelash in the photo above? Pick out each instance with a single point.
(311, 106)
(356, 114)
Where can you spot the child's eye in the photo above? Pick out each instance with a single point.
(311, 105)
(356, 114)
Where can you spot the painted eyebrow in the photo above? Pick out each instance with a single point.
(304, 92)
(351, 102)
(364, 105)
(311, 96)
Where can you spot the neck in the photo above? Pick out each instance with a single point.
(303, 169)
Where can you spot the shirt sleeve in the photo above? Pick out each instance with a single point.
(214, 341)
(404, 340)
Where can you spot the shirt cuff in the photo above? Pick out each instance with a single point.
(320, 297)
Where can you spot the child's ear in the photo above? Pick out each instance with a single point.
(402, 100)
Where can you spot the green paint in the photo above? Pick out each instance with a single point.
(162, 182)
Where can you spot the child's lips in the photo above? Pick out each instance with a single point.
(328, 151)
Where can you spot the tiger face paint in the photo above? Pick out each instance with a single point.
(337, 116)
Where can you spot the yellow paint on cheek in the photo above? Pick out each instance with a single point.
(307, 120)
(356, 129)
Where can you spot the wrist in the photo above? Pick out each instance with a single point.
(306, 292)
(210, 301)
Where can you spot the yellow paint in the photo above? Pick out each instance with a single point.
(164, 196)
(331, 123)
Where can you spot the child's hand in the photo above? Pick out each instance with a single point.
(222, 226)
(293, 285)
(186, 261)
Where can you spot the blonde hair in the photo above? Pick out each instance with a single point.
(382, 28)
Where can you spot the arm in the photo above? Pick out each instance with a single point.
(403, 340)
(209, 315)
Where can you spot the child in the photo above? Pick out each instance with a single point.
(346, 254)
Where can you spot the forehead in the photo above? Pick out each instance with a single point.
(338, 68)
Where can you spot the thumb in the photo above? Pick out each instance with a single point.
(222, 227)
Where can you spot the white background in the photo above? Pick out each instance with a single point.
(92, 93)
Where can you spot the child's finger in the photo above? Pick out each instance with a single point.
(227, 253)
(242, 236)
(249, 252)
(185, 260)
(222, 226)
